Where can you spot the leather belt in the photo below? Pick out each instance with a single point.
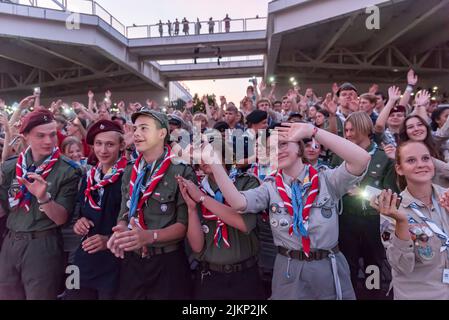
(314, 255)
(154, 251)
(32, 234)
(229, 268)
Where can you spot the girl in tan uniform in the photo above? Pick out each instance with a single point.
(416, 235)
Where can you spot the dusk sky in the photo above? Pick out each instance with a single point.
(149, 12)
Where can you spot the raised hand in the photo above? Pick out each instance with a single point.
(389, 150)
(121, 106)
(262, 86)
(38, 187)
(335, 88)
(90, 95)
(26, 102)
(385, 203)
(373, 89)
(412, 78)
(394, 93)
(422, 98)
(185, 194)
(294, 132)
(330, 104)
(444, 201)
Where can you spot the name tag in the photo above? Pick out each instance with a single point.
(446, 276)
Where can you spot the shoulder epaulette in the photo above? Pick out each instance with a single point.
(70, 162)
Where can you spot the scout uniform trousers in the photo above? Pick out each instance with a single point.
(31, 265)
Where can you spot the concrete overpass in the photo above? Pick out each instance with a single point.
(322, 41)
(317, 42)
(68, 53)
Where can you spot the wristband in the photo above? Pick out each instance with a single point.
(409, 88)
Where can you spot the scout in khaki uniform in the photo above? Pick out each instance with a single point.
(359, 222)
(303, 214)
(38, 193)
(99, 201)
(155, 265)
(416, 236)
(224, 240)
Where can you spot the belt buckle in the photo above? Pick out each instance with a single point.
(227, 268)
(310, 257)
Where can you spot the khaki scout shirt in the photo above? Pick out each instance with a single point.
(63, 181)
(323, 219)
(165, 206)
(417, 266)
(243, 245)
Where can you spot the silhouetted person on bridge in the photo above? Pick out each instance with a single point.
(211, 24)
(161, 30)
(227, 22)
(185, 26)
(197, 26)
(176, 23)
(169, 27)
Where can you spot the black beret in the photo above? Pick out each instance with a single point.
(256, 116)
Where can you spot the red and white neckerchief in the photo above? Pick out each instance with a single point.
(23, 196)
(151, 184)
(221, 230)
(312, 193)
(94, 182)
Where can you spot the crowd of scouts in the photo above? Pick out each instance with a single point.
(119, 197)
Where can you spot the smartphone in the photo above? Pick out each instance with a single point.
(372, 192)
(37, 91)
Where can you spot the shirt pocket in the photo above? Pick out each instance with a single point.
(163, 202)
(326, 206)
(426, 244)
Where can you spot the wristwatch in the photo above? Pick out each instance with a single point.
(155, 236)
(49, 198)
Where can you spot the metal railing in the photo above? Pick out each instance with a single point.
(191, 28)
(91, 7)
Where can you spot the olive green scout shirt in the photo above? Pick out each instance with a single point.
(242, 245)
(62, 181)
(165, 206)
(380, 175)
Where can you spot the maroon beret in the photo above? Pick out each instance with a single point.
(101, 126)
(397, 108)
(34, 119)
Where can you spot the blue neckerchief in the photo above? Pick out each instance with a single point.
(298, 192)
(136, 190)
(297, 208)
(26, 194)
(219, 197)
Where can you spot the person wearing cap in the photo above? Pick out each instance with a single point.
(179, 131)
(390, 120)
(257, 122)
(99, 202)
(224, 242)
(153, 217)
(38, 192)
(303, 215)
(359, 222)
